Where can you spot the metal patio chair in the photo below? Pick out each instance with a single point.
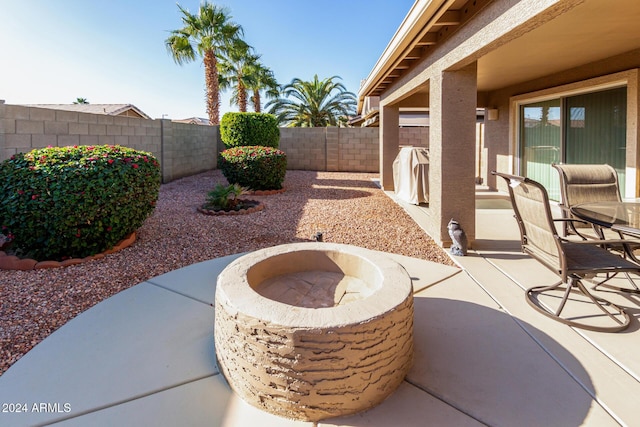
(587, 183)
(571, 260)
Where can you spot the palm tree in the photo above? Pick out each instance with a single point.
(262, 79)
(235, 71)
(81, 101)
(208, 34)
(314, 104)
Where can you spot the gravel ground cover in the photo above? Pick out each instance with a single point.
(346, 207)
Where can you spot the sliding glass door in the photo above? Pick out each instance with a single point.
(541, 141)
(585, 129)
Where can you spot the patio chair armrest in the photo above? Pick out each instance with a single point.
(570, 225)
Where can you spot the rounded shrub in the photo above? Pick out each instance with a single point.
(241, 129)
(73, 202)
(254, 167)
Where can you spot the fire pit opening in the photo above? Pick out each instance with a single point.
(314, 279)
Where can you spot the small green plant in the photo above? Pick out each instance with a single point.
(224, 198)
(254, 167)
(73, 202)
(244, 129)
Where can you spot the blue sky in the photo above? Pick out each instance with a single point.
(54, 51)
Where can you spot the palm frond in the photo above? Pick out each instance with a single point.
(207, 34)
(313, 103)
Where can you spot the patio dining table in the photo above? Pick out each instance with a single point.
(623, 217)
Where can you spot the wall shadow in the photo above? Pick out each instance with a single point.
(358, 183)
(337, 194)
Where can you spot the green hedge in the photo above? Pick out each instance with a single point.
(242, 129)
(73, 202)
(254, 167)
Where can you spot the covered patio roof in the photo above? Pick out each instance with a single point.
(454, 56)
(583, 31)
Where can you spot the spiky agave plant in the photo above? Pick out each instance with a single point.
(225, 197)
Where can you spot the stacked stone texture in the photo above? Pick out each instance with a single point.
(313, 374)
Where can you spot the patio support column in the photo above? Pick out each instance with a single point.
(389, 143)
(452, 143)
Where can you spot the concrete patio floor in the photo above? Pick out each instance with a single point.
(482, 356)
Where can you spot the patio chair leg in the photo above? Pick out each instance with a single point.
(617, 314)
(567, 292)
(602, 303)
(548, 288)
(634, 290)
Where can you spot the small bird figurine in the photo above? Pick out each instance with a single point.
(458, 238)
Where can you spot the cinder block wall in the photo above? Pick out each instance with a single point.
(182, 149)
(341, 149)
(26, 128)
(186, 149)
(305, 148)
(358, 150)
(416, 136)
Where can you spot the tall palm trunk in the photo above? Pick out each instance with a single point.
(256, 101)
(242, 97)
(211, 83)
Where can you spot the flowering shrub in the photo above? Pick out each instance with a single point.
(61, 202)
(254, 167)
(243, 129)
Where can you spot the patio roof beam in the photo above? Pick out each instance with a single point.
(415, 53)
(428, 39)
(421, 17)
(414, 37)
(450, 17)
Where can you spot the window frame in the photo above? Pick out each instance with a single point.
(628, 79)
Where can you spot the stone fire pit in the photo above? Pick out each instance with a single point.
(314, 330)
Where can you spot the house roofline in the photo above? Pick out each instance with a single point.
(132, 107)
(421, 17)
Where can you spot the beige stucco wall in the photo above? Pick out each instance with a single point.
(501, 138)
(452, 153)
